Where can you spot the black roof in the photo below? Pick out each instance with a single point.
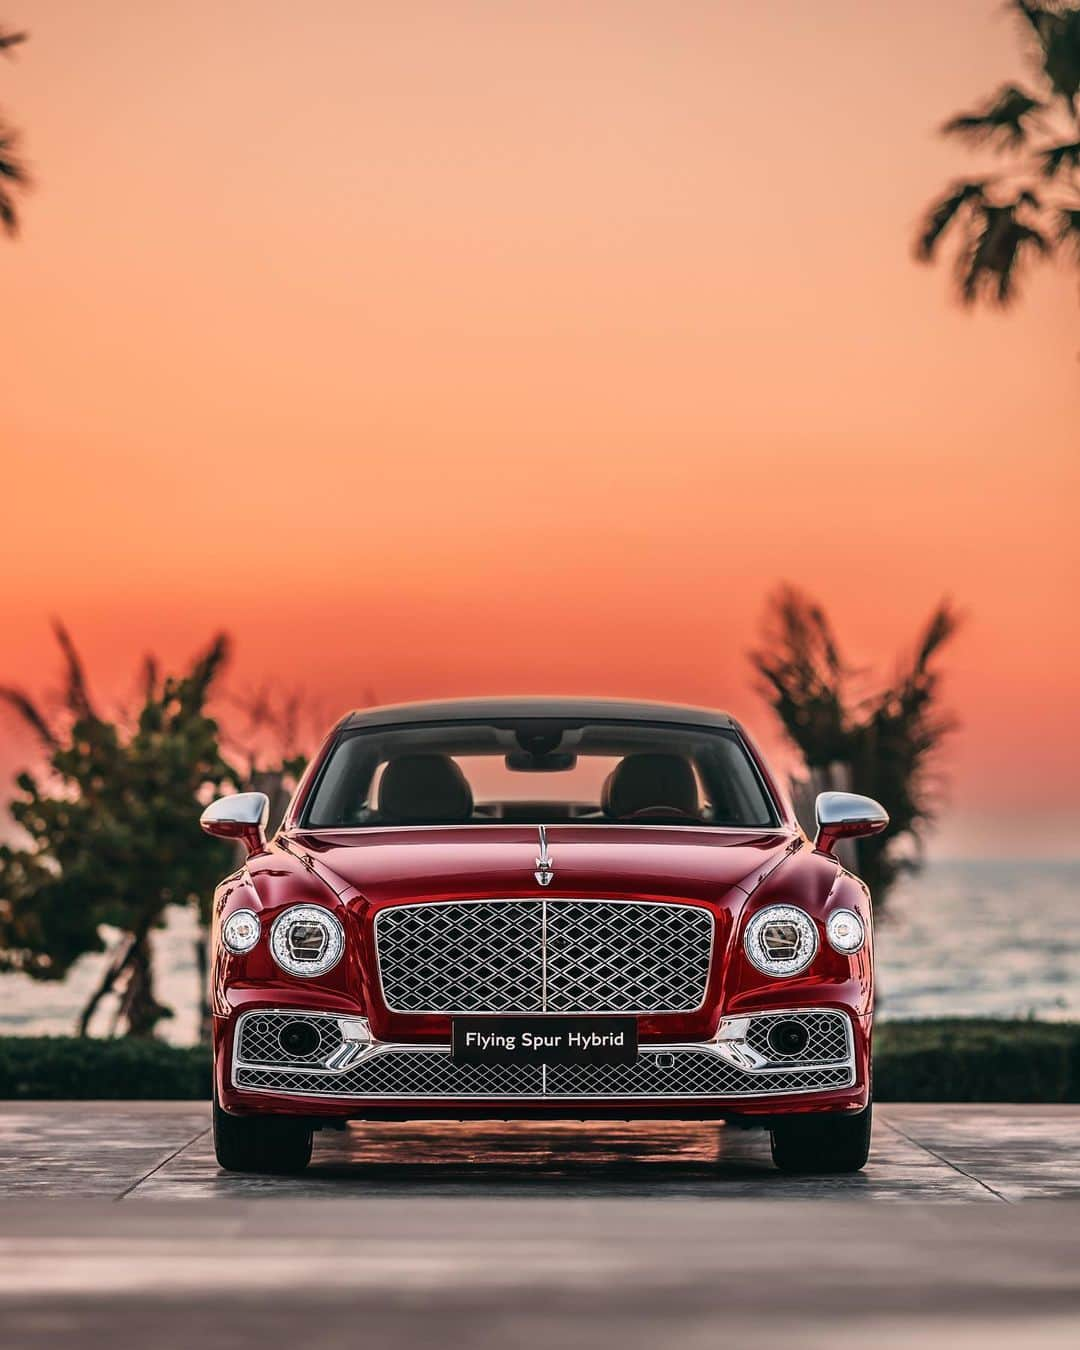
(482, 709)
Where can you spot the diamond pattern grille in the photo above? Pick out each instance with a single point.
(412, 1074)
(405, 1073)
(694, 1073)
(462, 957)
(828, 1036)
(544, 956)
(604, 957)
(258, 1041)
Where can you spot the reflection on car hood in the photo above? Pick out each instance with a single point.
(386, 864)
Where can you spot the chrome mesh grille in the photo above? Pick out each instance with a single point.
(544, 955)
(257, 1040)
(418, 1074)
(462, 957)
(606, 957)
(404, 1073)
(694, 1073)
(829, 1034)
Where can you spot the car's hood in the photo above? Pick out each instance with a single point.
(402, 863)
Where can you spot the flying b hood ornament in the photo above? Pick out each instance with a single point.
(545, 872)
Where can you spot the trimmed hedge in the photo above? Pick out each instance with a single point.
(955, 1060)
(977, 1060)
(68, 1068)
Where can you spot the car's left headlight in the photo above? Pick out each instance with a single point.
(240, 931)
(781, 940)
(307, 940)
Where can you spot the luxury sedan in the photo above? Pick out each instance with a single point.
(541, 909)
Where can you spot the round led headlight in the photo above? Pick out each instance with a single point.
(845, 931)
(781, 940)
(240, 931)
(307, 940)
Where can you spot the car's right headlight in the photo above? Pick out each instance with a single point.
(307, 940)
(781, 940)
(845, 932)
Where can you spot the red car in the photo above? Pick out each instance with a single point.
(541, 909)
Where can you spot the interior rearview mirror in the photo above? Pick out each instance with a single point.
(554, 761)
(242, 816)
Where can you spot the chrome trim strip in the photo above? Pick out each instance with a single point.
(755, 830)
(543, 960)
(544, 901)
(343, 1058)
(545, 1096)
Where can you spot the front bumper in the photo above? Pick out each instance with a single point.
(346, 1073)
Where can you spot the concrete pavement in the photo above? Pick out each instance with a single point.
(162, 1150)
(531, 1235)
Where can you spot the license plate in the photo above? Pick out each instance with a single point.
(544, 1040)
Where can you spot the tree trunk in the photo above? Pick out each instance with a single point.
(139, 1007)
(113, 970)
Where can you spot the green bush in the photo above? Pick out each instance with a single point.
(976, 1060)
(956, 1060)
(67, 1068)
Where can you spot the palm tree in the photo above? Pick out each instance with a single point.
(1029, 210)
(13, 173)
(881, 743)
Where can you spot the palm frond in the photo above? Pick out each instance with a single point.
(802, 674)
(1001, 120)
(9, 219)
(149, 678)
(12, 169)
(942, 214)
(209, 665)
(1069, 230)
(76, 692)
(9, 140)
(1057, 29)
(942, 625)
(1057, 157)
(989, 265)
(1038, 16)
(25, 707)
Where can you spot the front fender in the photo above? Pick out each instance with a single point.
(818, 885)
(271, 882)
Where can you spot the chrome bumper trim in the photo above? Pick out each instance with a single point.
(731, 1066)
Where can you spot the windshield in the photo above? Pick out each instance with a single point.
(539, 771)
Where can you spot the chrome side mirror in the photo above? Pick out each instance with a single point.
(846, 815)
(242, 816)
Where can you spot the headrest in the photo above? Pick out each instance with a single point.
(644, 781)
(424, 790)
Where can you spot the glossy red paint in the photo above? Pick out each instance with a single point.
(253, 837)
(828, 836)
(357, 873)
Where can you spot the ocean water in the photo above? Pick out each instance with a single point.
(988, 939)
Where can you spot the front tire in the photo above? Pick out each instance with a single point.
(274, 1144)
(823, 1144)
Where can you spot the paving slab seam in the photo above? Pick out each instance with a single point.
(163, 1163)
(948, 1163)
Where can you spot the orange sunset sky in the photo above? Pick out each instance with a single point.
(458, 347)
